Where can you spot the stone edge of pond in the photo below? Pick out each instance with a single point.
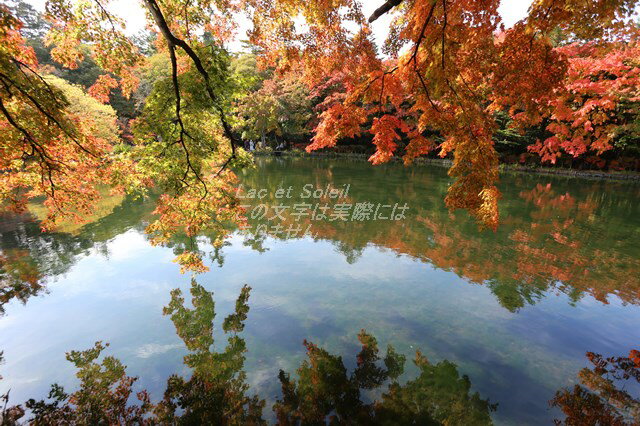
(504, 168)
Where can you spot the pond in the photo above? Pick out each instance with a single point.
(503, 320)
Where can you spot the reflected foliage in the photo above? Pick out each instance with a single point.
(19, 276)
(216, 391)
(324, 389)
(8, 415)
(605, 393)
(29, 258)
(103, 396)
(564, 235)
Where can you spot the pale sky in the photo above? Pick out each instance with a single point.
(133, 13)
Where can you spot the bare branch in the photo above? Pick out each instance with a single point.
(386, 7)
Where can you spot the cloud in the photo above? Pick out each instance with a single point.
(153, 349)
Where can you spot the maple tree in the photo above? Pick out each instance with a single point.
(179, 150)
(450, 66)
(447, 70)
(47, 147)
(599, 101)
(602, 396)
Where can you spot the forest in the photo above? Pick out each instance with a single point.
(84, 105)
(123, 151)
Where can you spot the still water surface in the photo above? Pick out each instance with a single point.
(513, 310)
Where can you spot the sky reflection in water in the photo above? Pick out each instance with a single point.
(515, 310)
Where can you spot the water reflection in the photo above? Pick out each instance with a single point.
(564, 235)
(561, 235)
(29, 258)
(325, 391)
(605, 395)
(574, 238)
(217, 392)
(19, 276)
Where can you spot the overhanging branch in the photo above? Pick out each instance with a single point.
(386, 7)
(173, 42)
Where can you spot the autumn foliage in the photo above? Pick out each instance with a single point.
(569, 68)
(451, 66)
(599, 101)
(47, 149)
(602, 397)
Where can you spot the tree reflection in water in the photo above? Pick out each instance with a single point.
(8, 415)
(556, 237)
(217, 391)
(324, 391)
(19, 277)
(30, 258)
(604, 395)
(561, 236)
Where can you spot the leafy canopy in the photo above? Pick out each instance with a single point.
(450, 67)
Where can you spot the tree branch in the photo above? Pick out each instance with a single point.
(386, 7)
(444, 28)
(45, 113)
(174, 41)
(421, 36)
(426, 90)
(20, 65)
(47, 161)
(183, 132)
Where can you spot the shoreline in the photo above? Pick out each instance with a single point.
(504, 168)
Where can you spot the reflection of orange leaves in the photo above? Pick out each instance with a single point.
(551, 248)
(520, 236)
(195, 212)
(190, 261)
(20, 266)
(561, 239)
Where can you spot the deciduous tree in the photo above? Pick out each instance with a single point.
(448, 71)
